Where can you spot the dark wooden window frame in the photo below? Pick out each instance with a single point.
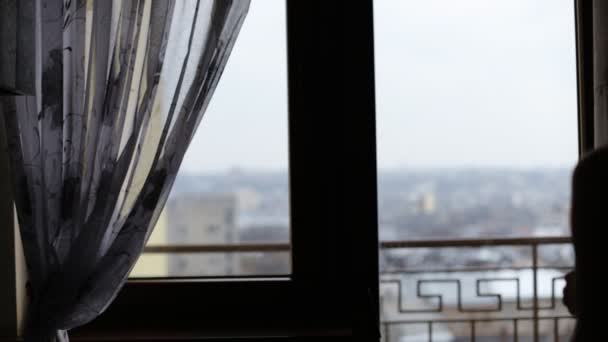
(584, 61)
(333, 288)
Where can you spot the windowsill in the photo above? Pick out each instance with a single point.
(197, 336)
(219, 336)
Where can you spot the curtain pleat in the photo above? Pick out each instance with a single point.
(120, 88)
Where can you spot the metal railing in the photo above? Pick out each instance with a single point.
(516, 299)
(219, 248)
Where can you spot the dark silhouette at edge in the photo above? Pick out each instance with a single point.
(589, 221)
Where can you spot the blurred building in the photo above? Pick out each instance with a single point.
(207, 219)
(154, 265)
(265, 263)
(426, 203)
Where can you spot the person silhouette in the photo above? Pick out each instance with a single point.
(589, 223)
(569, 293)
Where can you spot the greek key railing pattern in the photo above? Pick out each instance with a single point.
(508, 299)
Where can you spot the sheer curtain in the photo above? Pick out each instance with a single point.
(120, 87)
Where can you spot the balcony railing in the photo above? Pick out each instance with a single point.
(475, 290)
(460, 290)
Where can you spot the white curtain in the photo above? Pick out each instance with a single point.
(120, 87)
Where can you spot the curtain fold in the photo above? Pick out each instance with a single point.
(120, 88)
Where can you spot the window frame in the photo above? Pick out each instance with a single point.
(584, 64)
(333, 288)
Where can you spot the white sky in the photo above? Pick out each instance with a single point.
(458, 83)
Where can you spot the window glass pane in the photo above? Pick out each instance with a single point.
(232, 188)
(477, 117)
(477, 139)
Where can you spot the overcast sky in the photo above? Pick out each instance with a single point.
(458, 83)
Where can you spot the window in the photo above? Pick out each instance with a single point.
(332, 287)
(477, 117)
(233, 185)
(477, 140)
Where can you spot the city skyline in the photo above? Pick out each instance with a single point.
(396, 169)
(244, 207)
